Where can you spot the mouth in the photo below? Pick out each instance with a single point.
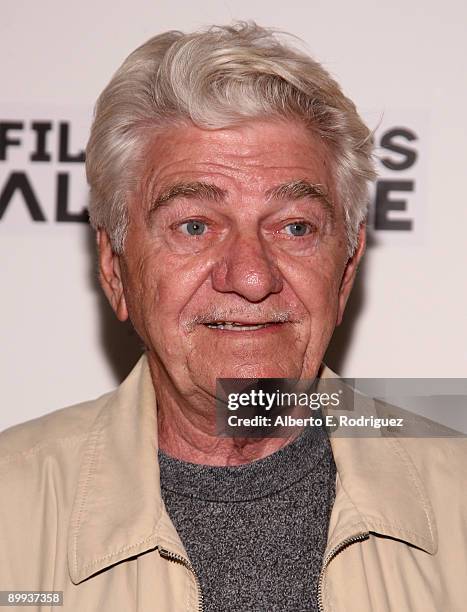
(240, 327)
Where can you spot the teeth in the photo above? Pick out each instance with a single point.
(236, 326)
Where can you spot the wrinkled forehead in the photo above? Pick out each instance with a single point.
(267, 159)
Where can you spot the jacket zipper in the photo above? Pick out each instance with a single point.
(330, 556)
(167, 554)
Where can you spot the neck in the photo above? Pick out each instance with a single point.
(182, 439)
(187, 429)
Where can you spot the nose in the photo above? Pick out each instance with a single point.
(247, 269)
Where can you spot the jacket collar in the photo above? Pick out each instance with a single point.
(118, 510)
(378, 487)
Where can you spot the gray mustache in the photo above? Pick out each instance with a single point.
(221, 314)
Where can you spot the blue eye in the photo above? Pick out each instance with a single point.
(297, 229)
(193, 228)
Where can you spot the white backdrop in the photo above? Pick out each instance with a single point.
(401, 62)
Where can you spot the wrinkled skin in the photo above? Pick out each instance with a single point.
(236, 257)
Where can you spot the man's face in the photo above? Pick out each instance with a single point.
(235, 265)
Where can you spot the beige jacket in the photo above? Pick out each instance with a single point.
(81, 512)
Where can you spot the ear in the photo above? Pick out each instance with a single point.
(350, 273)
(110, 275)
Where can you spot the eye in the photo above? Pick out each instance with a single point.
(298, 229)
(193, 227)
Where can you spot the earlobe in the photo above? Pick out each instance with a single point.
(110, 275)
(350, 273)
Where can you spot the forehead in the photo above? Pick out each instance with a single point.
(251, 157)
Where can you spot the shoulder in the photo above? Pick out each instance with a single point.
(57, 433)
(39, 471)
(427, 442)
(439, 460)
(438, 452)
(50, 433)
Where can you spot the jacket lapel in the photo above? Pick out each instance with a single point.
(118, 510)
(378, 488)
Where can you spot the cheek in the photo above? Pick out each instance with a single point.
(315, 284)
(160, 288)
(319, 294)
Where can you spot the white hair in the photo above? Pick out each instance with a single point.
(217, 78)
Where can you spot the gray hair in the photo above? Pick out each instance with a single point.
(217, 78)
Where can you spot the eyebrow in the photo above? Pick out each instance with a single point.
(301, 189)
(196, 190)
(292, 190)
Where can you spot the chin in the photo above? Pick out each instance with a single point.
(257, 370)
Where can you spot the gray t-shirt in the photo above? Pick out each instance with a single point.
(256, 533)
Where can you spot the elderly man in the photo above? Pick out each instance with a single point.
(228, 178)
